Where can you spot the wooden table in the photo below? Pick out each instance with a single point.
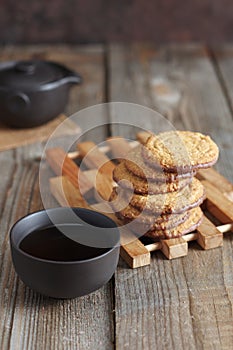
(180, 304)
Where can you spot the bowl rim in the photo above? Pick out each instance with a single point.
(61, 262)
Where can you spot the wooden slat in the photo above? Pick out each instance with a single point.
(94, 158)
(212, 176)
(208, 235)
(102, 184)
(29, 320)
(132, 251)
(61, 164)
(181, 83)
(118, 146)
(218, 204)
(66, 193)
(105, 148)
(135, 254)
(174, 248)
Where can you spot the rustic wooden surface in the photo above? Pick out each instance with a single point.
(28, 320)
(180, 304)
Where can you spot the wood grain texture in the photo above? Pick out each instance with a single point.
(179, 304)
(184, 303)
(29, 320)
(66, 194)
(175, 247)
(61, 164)
(102, 185)
(214, 177)
(219, 206)
(94, 158)
(135, 254)
(223, 56)
(208, 235)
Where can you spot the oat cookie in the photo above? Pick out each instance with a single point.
(168, 223)
(187, 226)
(136, 164)
(142, 186)
(183, 151)
(145, 221)
(189, 197)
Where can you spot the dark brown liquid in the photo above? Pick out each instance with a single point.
(51, 244)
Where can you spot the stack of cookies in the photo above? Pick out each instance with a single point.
(158, 195)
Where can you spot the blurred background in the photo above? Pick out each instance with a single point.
(88, 21)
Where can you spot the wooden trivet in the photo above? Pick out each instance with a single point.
(98, 183)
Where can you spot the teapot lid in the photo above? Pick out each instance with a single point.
(31, 74)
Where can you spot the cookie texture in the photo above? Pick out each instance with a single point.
(142, 220)
(157, 194)
(142, 186)
(139, 167)
(183, 151)
(194, 220)
(162, 222)
(174, 202)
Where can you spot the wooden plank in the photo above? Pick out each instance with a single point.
(132, 82)
(223, 55)
(29, 320)
(153, 302)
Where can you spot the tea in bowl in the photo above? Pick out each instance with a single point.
(65, 252)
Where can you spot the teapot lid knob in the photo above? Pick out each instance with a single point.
(25, 67)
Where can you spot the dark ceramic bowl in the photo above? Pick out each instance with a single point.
(66, 279)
